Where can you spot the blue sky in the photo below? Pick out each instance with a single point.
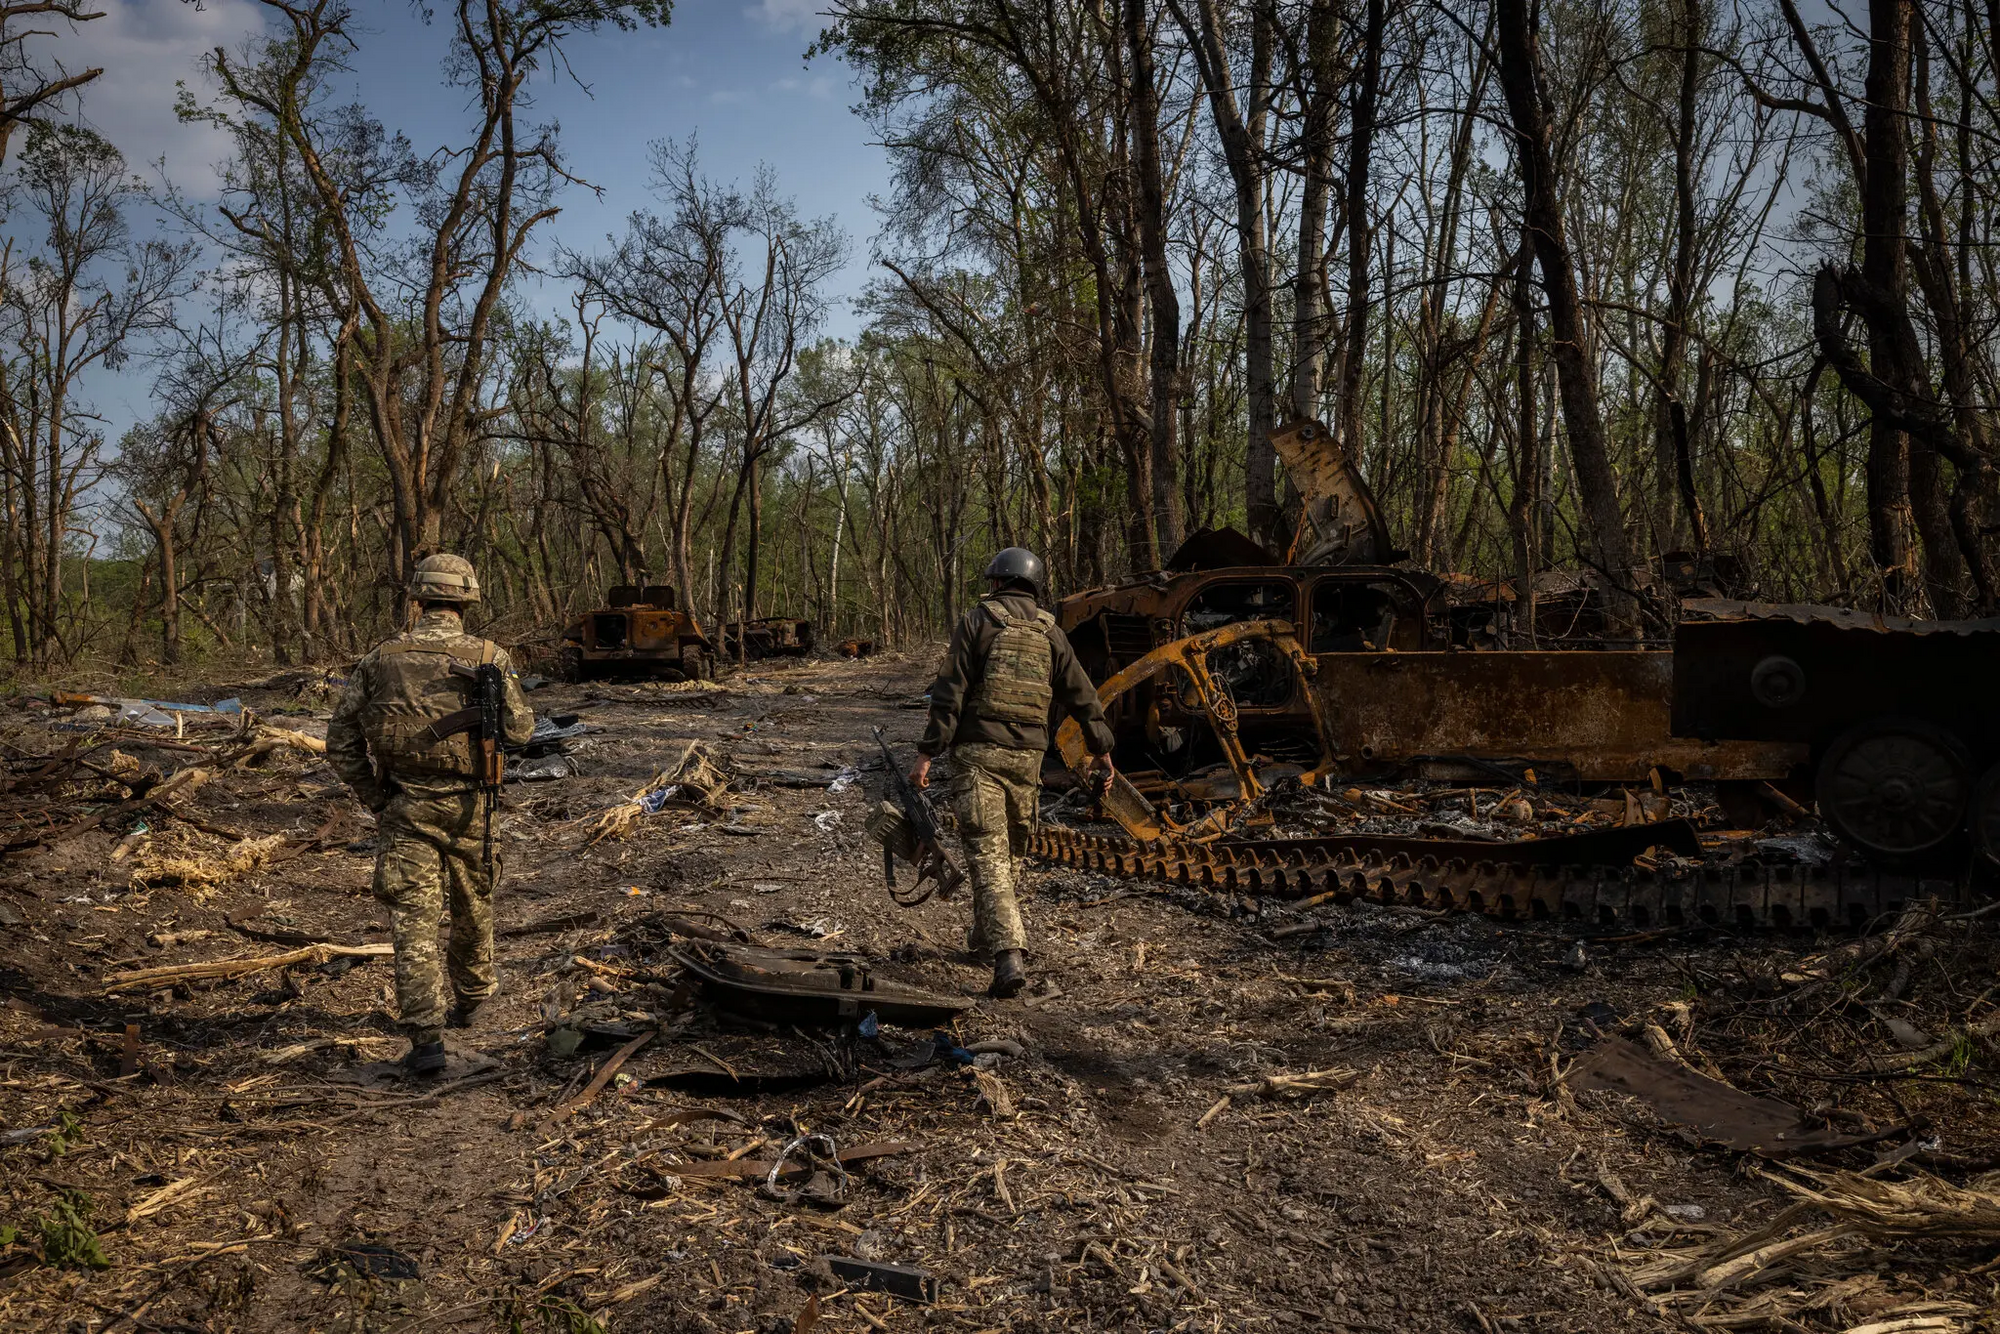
(731, 72)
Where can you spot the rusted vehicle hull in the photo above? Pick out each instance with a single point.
(1901, 717)
(769, 637)
(1590, 716)
(639, 632)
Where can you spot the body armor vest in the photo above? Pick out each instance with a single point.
(1015, 686)
(414, 689)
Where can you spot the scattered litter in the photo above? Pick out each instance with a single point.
(546, 768)
(822, 1187)
(692, 782)
(845, 779)
(827, 821)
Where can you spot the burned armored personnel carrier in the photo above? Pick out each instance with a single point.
(640, 631)
(1378, 669)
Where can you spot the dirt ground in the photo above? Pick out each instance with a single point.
(1443, 1178)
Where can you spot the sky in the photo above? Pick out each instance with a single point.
(731, 72)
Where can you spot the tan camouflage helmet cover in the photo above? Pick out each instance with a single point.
(444, 579)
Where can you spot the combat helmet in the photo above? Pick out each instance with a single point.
(444, 578)
(1018, 563)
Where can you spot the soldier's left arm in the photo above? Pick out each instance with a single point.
(1076, 696)
(517, 720)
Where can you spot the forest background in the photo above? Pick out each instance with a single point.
(1575, 283)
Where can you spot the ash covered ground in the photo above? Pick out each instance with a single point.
(1224, 1115)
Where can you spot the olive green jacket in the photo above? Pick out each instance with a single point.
(971, 643)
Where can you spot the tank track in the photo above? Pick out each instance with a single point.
(1836, 897)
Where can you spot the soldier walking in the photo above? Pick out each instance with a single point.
(1007, 666)
(432, 839)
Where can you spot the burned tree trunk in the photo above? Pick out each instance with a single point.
(1164, 305)
(1576, 370)
(1360, 235)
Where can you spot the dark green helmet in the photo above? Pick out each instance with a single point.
(1018, 563)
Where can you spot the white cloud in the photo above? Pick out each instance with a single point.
(804, 17)
(145, 47)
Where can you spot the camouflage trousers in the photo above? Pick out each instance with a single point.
(993, 794)
(431, 850)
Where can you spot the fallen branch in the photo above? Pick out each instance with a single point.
(231, 968)
(603, 1077)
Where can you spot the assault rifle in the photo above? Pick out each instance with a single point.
(907, 825)
(482, 718)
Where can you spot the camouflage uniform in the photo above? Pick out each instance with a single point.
(431, 818)
(994, 790)
(1007, 668)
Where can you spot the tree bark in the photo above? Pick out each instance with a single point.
(1576, 367)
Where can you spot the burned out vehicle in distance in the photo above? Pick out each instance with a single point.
(769, 637)
(640, 631)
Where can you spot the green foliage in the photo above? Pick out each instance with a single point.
(67, 1134)
(68, 1240)
(9, 1234)
(551, 1315)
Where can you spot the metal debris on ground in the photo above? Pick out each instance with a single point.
(797, 986)
(1716, 1113)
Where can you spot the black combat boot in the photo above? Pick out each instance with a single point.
(426, 1055)
(1010, 974)
(467, 1010)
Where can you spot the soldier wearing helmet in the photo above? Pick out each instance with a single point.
(423, 789)
(1009, 668)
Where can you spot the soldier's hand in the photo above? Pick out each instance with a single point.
(1101, 775)
(920, 772)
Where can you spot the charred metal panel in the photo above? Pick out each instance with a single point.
(1341, 524)
(1217, 548)
(1601, 716)
(1806, 674)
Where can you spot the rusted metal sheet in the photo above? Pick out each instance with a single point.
(1596, 716)
(1189, 659)
(1715, 1112)
(788, 986)
(1340, 524)
(769, 637)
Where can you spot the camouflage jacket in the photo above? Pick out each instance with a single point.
(379, 741)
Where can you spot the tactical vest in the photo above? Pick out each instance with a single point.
(1015, 684)
(414, 688)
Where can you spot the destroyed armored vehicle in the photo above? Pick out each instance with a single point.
(768, 637)
(639, 631)
(1377, 669)
(1900, 717)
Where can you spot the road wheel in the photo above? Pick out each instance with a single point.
(1896, 788)
(1984, 820)
(697, 665)
(569, 665)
